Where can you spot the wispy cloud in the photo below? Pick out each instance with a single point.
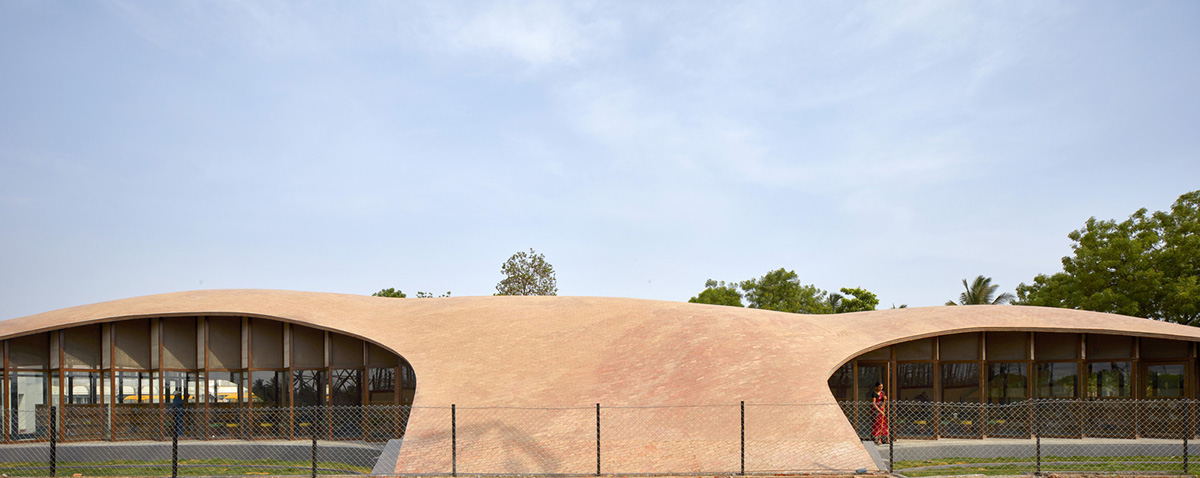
(537, 33)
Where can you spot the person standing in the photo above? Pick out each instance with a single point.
(879, 422)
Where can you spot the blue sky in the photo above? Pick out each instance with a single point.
(643, 147)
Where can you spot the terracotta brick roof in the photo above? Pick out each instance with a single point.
(579, 351)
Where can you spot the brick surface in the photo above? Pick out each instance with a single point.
(574, 352)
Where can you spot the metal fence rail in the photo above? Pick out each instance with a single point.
(921, 438)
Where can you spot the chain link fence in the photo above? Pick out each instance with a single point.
(919, 439)
(1040, 436)
(95, 440)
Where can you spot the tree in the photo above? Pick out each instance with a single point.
(527, 274)
(390, 292)
(981, 291)
(718, 293)
(854, 300)
(429, 295)
(781, 290)
(1146, 266)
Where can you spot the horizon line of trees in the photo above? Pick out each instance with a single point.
(1145, 266)
(781, 290)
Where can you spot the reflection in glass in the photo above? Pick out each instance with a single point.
(179, 388)
(1165, 380)
(347, 387)
(267, 388)
(27, 397)
(914, 381)
(308, 388)
(1057, 379)
(1007, 382)
(224, 388)
(268, 394)
(960, 382)
(381, 386)
(867, 376)
(82, 388)
(135, 387)
(1108, 379)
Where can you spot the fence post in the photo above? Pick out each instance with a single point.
(891, 440)
(1037, 435)
(53, 440)
(313, 428)
(175, 442)
(453, 442)
(743, 439)
(1185, 454)
(597, 439)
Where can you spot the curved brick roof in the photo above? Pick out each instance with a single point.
(569, 352)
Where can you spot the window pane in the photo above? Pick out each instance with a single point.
(1108, 379)
(269, 416)
(382, 385)
(841, 383)
(346, 387)
(308, 388)
(82, 388)
(1007, 382)
(224, 388)
(914, 381)
(179, 388)
(27, 397)
(868, 375)
(308, 391)
(960, 382)
(267, 388)
(136, 387)
(1164, 380)
(1057, 380)
(81, 417)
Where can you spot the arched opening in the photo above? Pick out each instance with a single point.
(237, 377)
(982, 384)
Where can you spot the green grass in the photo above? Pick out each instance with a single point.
(1027, 464)
(208, 467)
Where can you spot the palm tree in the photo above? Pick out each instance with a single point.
(981, 292)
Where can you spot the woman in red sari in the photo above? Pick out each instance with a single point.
(879, 422)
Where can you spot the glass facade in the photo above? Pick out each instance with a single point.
(1007, 382)
(960, 382)
(28, 396)
(980, 384)
(1165, 380)
(239, 377)
(1057, 380)
(1109, 380)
